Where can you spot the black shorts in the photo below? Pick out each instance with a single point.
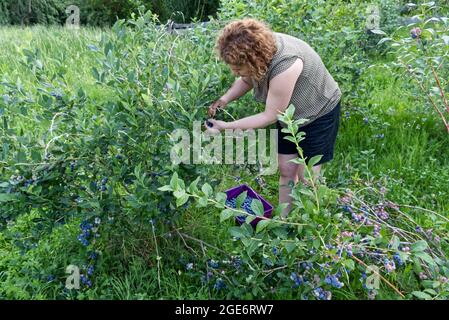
(319, 139)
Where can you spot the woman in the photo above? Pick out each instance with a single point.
(282, 70)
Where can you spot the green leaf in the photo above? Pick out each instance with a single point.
(421, 295)
(221, 199)
(250, 219)
(193, 188)
(251, 246)
(226, 214)
(425, 257)
(290, 138)
(179, 193)
(378, 31)
(207, 189)
(384, 40)
(35, 155)
(202, 202)
(431, 291)
(314, 160)
(289, 113)
(237, 232)
(147, 99)
(262, 224)
(181, 200)
(165, 188)
(4, 197)
(395, 243)
(420, 245)
(290, 246)
(349, 263)
(96, 74)
(316, 243)
(257, 207)
(240, 199)
(174, 181)
(297, 161)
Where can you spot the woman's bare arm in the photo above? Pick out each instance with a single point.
(239, 88)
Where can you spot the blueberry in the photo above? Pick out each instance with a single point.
(209, 124)
(219, 284)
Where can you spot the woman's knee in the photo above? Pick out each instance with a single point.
(288, 171)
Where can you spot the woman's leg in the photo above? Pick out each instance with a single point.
(291, 172)
(288, 172)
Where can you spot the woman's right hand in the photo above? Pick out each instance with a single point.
(214, 106)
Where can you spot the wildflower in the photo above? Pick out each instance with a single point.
(389, 265)
(189, 266)
(381, 213)
(372, 294)
(345, 199)
(377, 230)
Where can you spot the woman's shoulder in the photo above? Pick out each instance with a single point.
(285, 36)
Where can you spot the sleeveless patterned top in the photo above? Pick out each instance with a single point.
(315, 94)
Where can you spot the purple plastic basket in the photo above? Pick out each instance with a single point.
(236, 191)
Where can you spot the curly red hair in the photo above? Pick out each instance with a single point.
(247, 42)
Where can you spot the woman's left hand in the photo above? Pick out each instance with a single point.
(217, 125)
